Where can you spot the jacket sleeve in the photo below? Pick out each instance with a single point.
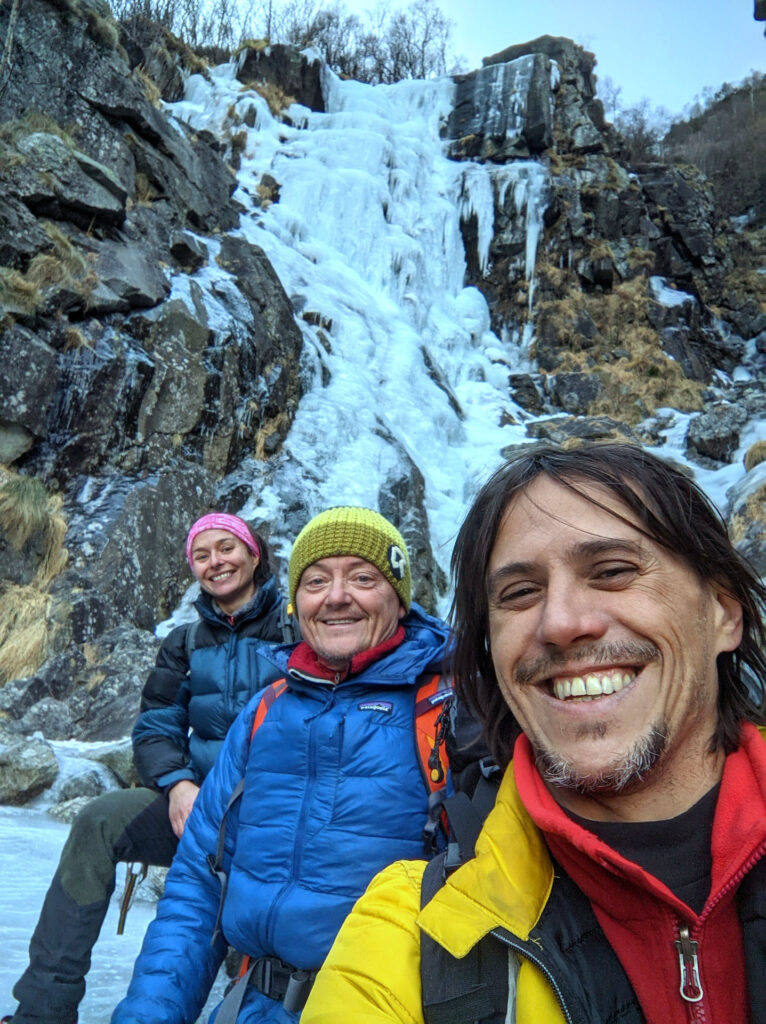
(372, 973)
(177, 963)
(160, 735)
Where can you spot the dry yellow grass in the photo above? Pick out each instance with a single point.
(636, 374)
(755, 455)
(26, 510)
(23, 630)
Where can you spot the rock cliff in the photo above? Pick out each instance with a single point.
(136, 383)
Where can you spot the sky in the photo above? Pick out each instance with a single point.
(665, 50)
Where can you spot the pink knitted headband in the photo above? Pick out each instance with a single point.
(222, 521)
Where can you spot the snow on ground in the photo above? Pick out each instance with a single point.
(31, 841)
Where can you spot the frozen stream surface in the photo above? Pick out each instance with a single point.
(31, 842)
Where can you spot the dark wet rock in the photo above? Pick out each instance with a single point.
(27, 767)
(160, 55)
(561, 429)
(67, 810)
(285, 67)
(105, 697)
(481, 128)
(574, 392)
(21, 237)
(124, 568)
(29, 379)
(118, 758)
(714, 434)
(528, 391)
(87, 781)
(401, 499)
(58, 181)
(130, 275)
(188, 251)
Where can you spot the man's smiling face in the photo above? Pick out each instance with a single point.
(345, 605)
(603, 642)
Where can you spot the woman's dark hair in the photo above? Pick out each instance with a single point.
(670, 509)
(263, 569)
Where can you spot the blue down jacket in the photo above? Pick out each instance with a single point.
(333, 793)
(204, 693)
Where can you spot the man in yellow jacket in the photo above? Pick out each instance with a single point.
(610, 639)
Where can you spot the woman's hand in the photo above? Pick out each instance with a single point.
(182, 797)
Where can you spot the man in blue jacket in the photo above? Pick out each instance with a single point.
(327, 782)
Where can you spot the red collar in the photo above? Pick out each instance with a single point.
(639, 915)
(739, 826)
(304, 659)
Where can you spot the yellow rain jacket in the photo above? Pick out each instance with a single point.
(372, 973)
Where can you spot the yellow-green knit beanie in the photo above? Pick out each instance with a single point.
(352, 531)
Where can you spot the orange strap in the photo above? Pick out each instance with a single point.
(275, 690)
(428, 706)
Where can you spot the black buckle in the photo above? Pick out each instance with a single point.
(280, 981)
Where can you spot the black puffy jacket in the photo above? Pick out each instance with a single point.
(189, 703)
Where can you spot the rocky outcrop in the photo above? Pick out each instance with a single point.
(117, 392)
(483, 126)
(285, 71)
(633, 306)
(27, 767)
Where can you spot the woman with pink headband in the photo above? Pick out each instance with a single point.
(205, 673)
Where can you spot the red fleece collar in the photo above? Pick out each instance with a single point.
(640, 916)
(304, 659)
(739, 826)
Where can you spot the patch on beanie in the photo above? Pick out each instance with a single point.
(397, 561)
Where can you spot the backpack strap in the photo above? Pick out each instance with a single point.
(190, 638)
(474, 988)
(433, 702)
(288, 627)
(215, 860)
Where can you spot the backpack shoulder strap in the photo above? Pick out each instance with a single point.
(190, 639)
(432, 703)
(215, 860)
(471, 989)
(288, 627)
(275, 690)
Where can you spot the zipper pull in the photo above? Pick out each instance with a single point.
(691, 987)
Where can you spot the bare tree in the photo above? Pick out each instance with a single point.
(643, 128)
(610, 93)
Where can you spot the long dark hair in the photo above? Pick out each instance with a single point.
(671, 510)
(263, 569)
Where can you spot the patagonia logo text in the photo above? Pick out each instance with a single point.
(440, 697)
(386, 706)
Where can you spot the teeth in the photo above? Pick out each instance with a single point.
(593, 685)
(221, 576)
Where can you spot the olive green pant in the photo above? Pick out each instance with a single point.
(122, 826)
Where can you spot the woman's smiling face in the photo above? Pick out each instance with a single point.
(224, 567)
